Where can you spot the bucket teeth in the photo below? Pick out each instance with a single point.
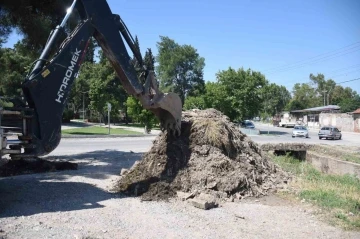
(171, 128)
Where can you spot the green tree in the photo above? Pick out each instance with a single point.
(295, 104)
(275, 98)
(350, 104)
(14, 65)
(34, 19)
(323, 87)
(133, 106)
(307, 95)
(137, 112)
(240, 92)
(180, 68)
(104, 87)
(149, 60)
(194, 102)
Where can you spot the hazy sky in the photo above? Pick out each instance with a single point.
(285, 40)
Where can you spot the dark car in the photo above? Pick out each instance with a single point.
(329, 132)
(247, 124)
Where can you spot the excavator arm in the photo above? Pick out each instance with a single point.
(47, 86)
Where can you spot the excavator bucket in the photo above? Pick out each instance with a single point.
(168, 109)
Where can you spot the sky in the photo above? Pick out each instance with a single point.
(285, 40)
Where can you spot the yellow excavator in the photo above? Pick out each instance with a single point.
(46, 87)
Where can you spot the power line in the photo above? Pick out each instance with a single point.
(345, 68)
(316, 61)
(348, 81)
(314, 57)
(342, 74)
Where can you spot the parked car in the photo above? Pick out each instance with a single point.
(247, 124)
(329, 132)
(300, 131)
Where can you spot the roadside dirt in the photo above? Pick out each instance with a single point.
(210, 156)
(78, 204)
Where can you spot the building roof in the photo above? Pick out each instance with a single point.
(356, 111)
(320, 108)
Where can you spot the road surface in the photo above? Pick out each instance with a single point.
(77, 204)
(283, 135)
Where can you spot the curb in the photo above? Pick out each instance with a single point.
(79, 136)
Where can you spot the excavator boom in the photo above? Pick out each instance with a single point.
(47, 86)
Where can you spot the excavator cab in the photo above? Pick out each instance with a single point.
(46, 88)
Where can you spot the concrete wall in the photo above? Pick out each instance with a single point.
(332, 166)
(344, 122)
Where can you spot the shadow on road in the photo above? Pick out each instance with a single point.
(273, 132)
(31, 194)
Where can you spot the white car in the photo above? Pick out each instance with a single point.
(300, 131)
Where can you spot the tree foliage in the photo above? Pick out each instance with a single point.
(134, 108)
(34, 19)
(275, 98)
(14, 65)
(180, 68)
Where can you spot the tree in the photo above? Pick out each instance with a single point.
(275, 98)
(350, 104)
(133, 106)
(104, 87)
(137, 112)
(240, 92)
(295, 104)
(180, 68)
(323, 87)
(34, 19)
(14, 65)
(307, 95)
(149, 60)
(194, 102)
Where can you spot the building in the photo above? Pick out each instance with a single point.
(311, 116)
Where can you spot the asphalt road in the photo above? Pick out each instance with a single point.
(143, 144)
(283, 135)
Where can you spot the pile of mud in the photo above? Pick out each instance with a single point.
(211, 156)
(29, 166)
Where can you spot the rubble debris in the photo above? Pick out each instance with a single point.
(210, 156)
(124, 171)
(184, 196)
(202, 204)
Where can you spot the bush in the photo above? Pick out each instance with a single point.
(68, 115)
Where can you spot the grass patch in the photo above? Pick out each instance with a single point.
(138, 125)
(341, 153)
(96, 130)
(351, 158)
(339, 195)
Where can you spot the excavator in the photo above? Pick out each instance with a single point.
(47, 85)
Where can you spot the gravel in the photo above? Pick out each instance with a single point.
(78, 204)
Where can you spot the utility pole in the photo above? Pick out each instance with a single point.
(324, 91)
